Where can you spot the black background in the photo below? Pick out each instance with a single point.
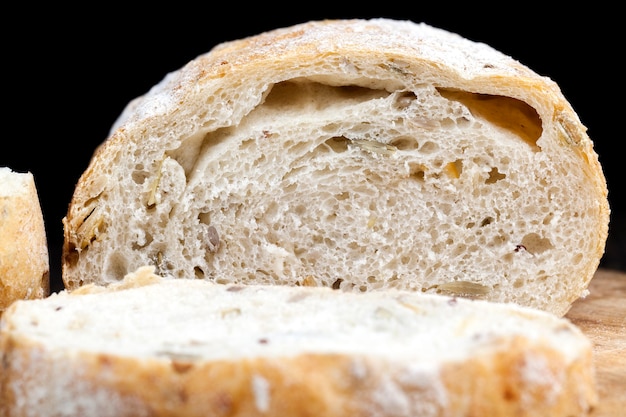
(69, 72)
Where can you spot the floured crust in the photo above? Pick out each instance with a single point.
(24, 268)
(517, 372)
(329, 385)
(193, 108)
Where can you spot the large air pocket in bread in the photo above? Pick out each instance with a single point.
(352, 154)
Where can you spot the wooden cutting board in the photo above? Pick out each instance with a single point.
(602, 317)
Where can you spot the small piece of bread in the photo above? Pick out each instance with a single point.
(24, 258)
(149, 346)
(359, 154)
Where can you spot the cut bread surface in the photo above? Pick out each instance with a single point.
(155, 346)
(362, 155)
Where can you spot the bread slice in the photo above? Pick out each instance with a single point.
(149, 346)
(24, 258)
(356, 154)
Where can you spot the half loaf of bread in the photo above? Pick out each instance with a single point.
(149, 346)
(24, 258)
(351, 154)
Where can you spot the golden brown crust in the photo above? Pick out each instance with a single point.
(498, 383)
(24, 267)
(506, 384)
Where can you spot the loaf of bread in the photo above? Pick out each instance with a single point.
(353, 154)
(24, 258)
(150, 346)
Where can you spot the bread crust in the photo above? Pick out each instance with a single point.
(303, 385)
(517, 373)
(216, 91)
(24, 263)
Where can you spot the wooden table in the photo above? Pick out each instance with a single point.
(602, 317)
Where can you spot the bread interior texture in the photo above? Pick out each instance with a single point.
(360, 186)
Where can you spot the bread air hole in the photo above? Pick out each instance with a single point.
(494, 176)
(535, 244)
(404, 143)
(404, 100)
(298, 93)
(337, 144)
(507, 113)
(417, 171)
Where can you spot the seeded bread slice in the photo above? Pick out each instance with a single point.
(360, 154)
(149, 346)
(24, 259)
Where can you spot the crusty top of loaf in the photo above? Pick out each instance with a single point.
(351, 153)
(286, 51)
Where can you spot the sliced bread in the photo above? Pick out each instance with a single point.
(24, 258)
(150, 346)
(358, 154)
